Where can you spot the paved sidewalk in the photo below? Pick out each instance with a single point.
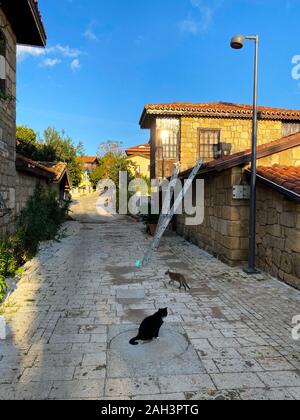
(81, 300)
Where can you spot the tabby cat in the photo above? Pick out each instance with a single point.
(179, 278)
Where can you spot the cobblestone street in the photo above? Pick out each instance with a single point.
(81, 300)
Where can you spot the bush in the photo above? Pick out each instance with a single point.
(8, 265)
(8, 262)
(39, 221)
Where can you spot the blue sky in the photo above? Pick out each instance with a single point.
(106, 58)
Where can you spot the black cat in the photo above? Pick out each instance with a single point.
(150, 327)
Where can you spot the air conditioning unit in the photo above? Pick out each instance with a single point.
(222, 149)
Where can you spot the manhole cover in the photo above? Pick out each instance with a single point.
(172, 354)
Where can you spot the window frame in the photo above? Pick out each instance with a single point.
(214, 151)
(290, 128)
(170, 151)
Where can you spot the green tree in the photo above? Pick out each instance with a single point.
(112, 160)
(27, 144)
(65, 151)
(26, 134)
(97, 174)
(54, 147)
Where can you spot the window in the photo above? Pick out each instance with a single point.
(290, 128)
(209, 144)
(169, 143)
(2, 64)
(167, 138)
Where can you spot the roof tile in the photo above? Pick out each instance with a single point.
(88, 159)
(284, 176)
(142, 149)
(218, 109)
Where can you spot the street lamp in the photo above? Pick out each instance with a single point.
(237, 43)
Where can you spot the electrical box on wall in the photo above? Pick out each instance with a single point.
(241, 192)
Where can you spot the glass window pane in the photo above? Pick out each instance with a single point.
(209, 142)
(170, 145)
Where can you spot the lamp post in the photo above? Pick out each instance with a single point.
(237, 43)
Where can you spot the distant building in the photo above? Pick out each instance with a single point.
(89, 163)
(140, 156)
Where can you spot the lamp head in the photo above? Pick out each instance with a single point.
(237, 42)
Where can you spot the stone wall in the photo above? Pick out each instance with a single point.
(278, 236)
(7, 134)
(25, 186)
(224, 232)
(289, 157)
(234, 131)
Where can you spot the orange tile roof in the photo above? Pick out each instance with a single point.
(287, 177)
(217, 110)
(51, 170)
(57, 168)
(142, 149)
(88, 159)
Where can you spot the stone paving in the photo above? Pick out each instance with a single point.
(80, 301)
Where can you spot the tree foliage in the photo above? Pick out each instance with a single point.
(26, 141)
(65, 151)
(111, 161)
(54, 147)
(26, 134)
(109, 147)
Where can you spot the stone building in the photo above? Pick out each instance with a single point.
(20, 23)
(188, 132)
(222, 138)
